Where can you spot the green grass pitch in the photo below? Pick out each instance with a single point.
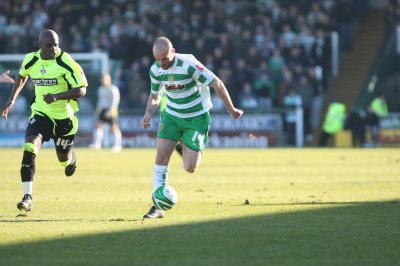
(303, 207)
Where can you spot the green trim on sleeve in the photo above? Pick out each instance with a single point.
(29, 60)
(61, 63)
(191, 70)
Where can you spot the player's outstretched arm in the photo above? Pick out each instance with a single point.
(4, 77)
(17, 87)
(222, 92)
(71, 94)
(152, 104)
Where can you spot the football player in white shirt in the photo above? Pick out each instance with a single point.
(108, 98)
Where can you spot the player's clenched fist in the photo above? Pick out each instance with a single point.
(236, 113)
(145, 121)
(6, 109)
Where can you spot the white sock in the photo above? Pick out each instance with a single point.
(27, 187)
(117, 138)
(72, 159)
(160, 177)
(98, 139)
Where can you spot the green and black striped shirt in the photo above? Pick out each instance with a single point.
(53, 76)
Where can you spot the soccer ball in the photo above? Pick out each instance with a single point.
(164, 198)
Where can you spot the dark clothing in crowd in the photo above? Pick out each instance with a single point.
(356, 123)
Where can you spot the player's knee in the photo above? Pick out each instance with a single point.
(190, 170)
(65, 159)
(162, 159)
(30, 148)
(190, 167)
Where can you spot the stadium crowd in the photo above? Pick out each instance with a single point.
(261, 49)
(392, 15)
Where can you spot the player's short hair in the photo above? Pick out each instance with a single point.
(162, 44)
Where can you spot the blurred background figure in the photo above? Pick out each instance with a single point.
(108, 98)
(333, 123)
(248, 99)
(292, 100)
(372, 125)
(377, 110)
(356, 123)
(5, 78)
(270, 46)
(379, 106)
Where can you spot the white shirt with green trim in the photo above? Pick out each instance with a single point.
(186, 85)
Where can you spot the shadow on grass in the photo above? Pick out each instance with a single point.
(66, 220)
(40, 220)
(353, 234)
(317, 202)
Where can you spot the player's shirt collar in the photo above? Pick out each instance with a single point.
(175, 62)
(39, 52)
(172, 65)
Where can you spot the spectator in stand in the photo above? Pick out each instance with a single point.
(288, 36)
(334, 122)
(391, 15)
(285, 85)
(16, 44)
(275, 65)
(372, 125)
(316, 16)
(249, 30)
(356, 123)
(136, 87)
(296, 57)
(248, 99)
(380, 109)
(316, 81)
(306, 91)
(291, 101)
(225, 74)
(242, 73)
(264, 86)
(252, 57)
(320, 54)
(379, 106)
(307, 40)
(344, 14)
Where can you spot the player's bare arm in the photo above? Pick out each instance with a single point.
(152, 104)
(4, 77)
(17, 88)
(71, 94)
(222, 92)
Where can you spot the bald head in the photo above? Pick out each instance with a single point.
(47, 34)
(163, 52)
(162, 45)
(48, 43)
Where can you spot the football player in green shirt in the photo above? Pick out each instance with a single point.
(186, 117)
(59, 81)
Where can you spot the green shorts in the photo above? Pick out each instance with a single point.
(193, 132)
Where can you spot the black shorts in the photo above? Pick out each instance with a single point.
(105, 118)
(52, 129)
